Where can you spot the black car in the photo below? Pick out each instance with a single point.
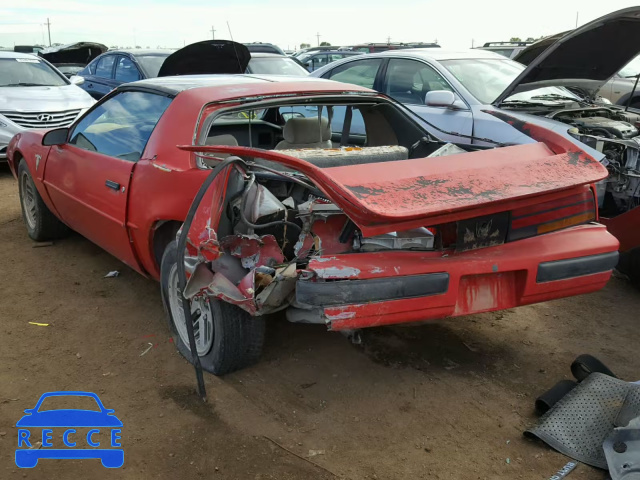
(116, 67)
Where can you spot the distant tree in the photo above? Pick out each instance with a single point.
(325, 44)
(515, 39)
(113, 47)
(138, 46)
(56, 44)
(304, 45)
(147, 46)
(530, 39)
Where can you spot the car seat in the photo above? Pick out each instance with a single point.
(301, 132)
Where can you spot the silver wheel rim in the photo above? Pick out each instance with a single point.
(28, 200)
(200, 311)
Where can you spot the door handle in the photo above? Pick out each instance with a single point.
(90, 85)
(113, 185)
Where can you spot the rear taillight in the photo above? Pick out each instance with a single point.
(553, 215)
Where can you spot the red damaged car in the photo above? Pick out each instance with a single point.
(330, 203)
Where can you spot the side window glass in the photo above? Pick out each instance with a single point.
(408, 81)
(126, 71)
(121, 126)
(92, 68)
(362, 72)
(335, 56)
(105, 66)
(319, 61)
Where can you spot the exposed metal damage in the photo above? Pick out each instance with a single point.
(301, 240)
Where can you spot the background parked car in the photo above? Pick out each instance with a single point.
(123, 66)
(116, 67)
(317, 59)
(33, 94)
(72, 58)
(258, 47)
(507, 49)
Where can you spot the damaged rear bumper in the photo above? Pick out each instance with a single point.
(352, 291)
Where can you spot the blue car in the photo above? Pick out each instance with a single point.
(69, 420)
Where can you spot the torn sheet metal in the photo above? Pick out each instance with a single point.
(253, 250)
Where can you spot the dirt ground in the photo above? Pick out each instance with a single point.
(445, 400)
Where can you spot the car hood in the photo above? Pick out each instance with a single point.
(585, 58)
(209, 56)
(44, 99)
(69, 418)
(80, 53)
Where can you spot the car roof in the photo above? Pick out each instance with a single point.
(4, 54)
(241, 85)
(439, 54)
(324, 52)
(267, 55)
(143, 51)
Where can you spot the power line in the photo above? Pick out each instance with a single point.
(48, 24)
(213, 33)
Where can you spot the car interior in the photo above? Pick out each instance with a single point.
(324, 134)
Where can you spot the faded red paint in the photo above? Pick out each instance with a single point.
(626, 228)
(409, 193)
(480, 280)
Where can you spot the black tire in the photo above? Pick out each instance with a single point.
(238, 337)
(585, 365)
(552, 396)
(40, 222)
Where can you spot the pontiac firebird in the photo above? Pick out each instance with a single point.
(333, 205)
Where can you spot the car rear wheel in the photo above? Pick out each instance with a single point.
(227, 337)
(40, 222)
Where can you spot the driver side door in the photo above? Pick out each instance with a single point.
(88, 178)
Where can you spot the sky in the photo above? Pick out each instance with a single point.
(453, 24)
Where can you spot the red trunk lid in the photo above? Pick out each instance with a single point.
(381, 197)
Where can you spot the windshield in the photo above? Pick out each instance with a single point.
(152, 63)
(487, 78)
(631, 69)
(28, 72)
(276, 66)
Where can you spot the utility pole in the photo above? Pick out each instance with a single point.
(389, 40)
(472, 42)
(318, 37)
(577, 19)
(48, 24)
(213, 33)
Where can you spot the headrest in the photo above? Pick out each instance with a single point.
(224, 139)
(306, 130)
(402, 79)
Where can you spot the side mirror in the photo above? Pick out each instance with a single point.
(76, 80)
(55, 137)
(440, 98)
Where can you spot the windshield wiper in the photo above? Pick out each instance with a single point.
(27, 84)
(554, 96)
(525, 103)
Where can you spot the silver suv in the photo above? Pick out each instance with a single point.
(33, 94)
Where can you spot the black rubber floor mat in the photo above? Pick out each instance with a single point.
(579, 423)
